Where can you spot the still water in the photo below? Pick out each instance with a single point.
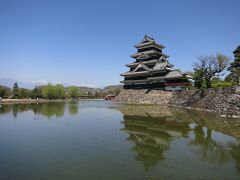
(90, 140)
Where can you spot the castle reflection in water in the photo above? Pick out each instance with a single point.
(153, 128)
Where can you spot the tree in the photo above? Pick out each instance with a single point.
(54, 92)
(60, 91)
(15, 86)
(218, 82)
(5, 92)
(73, 92)
(24, 93)
(97, 94)
(16, 91)
(36, 93)
(89, 93)
(229, 78)
(234, 67)
(209, 67)
(198, 78)
(50, 92)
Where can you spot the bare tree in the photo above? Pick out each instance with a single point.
(211, 66)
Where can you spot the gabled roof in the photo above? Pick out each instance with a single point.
(141, 65)
(148, 41)
(174, 74)
(160, 65)
(144, 62)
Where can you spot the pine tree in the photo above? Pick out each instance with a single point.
(16, 91)
(235, 66)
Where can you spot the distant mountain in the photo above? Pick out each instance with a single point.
(28, 85)
(113, 88)
(9, 83)
(89, 89)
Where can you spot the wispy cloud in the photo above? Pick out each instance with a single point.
(40, 81)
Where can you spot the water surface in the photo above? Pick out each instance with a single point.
(101, 140)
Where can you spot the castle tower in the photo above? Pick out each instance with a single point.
(151, 69)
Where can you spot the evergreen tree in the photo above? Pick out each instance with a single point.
(235, 67)
(36, 93)
(24, 93)
(16, 91)
(4, 92)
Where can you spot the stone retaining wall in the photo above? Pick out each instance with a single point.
(222, 100)
(144, 97)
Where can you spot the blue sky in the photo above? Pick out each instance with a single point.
(89, 42)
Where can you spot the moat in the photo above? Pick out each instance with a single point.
(103, 140)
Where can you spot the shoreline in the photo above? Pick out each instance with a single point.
(29, 101)
(183, 107)
(32, 101)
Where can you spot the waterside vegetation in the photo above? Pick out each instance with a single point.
(209, 71)
(56, 92)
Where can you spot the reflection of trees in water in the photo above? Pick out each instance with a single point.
(235, 153)
(5, 109)
(211, 150)
(73, 108)
(52, 109)
(16, 108)
(46, 109)
(213, 121)
(152, 136)
(153, 128)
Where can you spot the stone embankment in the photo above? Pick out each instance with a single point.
(144, 97)
(225, 101)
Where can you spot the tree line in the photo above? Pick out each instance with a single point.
(51, 91)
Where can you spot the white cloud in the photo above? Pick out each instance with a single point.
(40, 81)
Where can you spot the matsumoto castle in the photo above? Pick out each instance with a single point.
(151, 69)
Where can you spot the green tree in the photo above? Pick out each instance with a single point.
(73, 108)
(49, 92)
(16, 91)
(97, 94)
(61, 94)
(234, 67)
(5, 92)
(198, 79)
(36, 93)
(209, 67)
(218, 82)
(89, 93)
(73, 92)
(229, 78)
(24, 93)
